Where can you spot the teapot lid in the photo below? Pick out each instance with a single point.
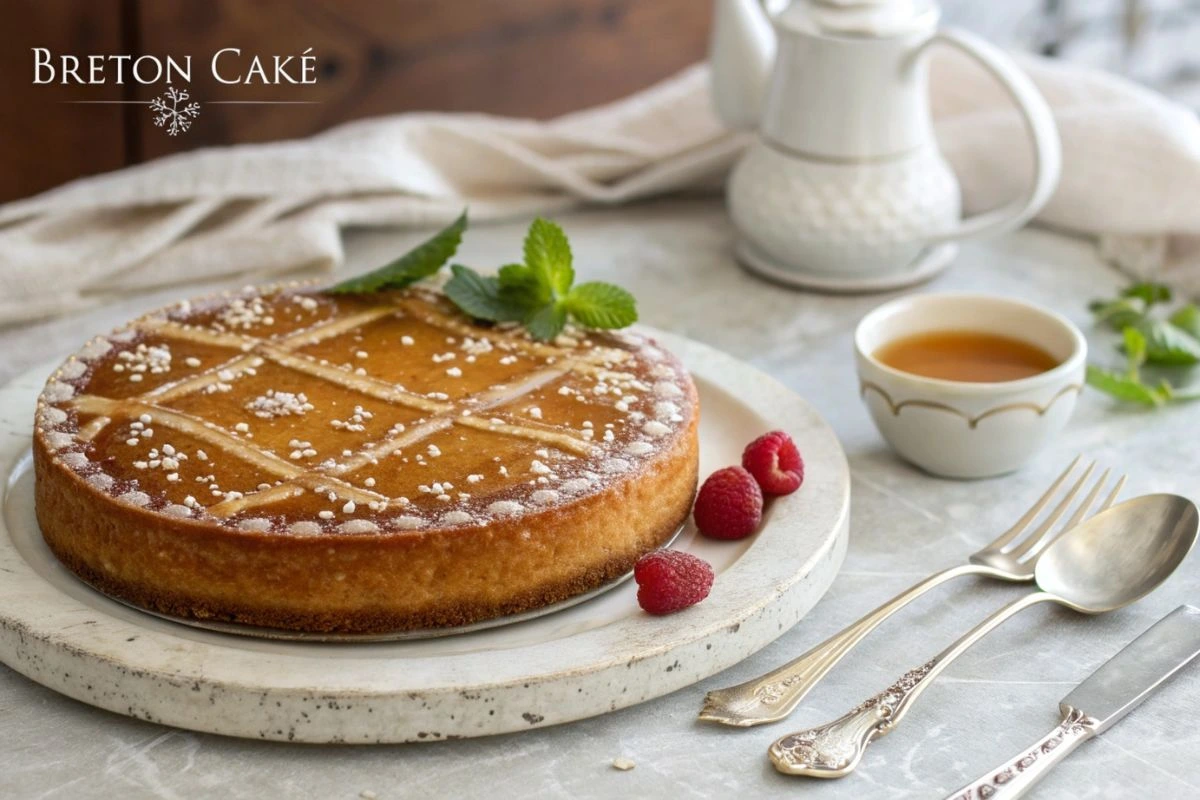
(860, 18)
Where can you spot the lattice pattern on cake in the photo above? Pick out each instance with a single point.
(204, 375)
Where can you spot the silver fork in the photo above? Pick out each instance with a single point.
(1011, 557)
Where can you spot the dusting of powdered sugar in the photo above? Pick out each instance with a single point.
(95, 349)
(101, 481)
(135, 498)
(58, 440)
(73, 369)
(456, 518)
(58, 392)
(358, 526)
(75, 460)
(505, 508)
(52, 415)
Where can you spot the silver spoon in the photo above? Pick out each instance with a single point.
(1115, 558)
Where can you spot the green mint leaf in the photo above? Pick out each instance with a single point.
(478, 296)
(1119, 313)
(1149, 293)
(1135, 349)
(548, 254)
(1187, 319)
(1168, 345)
(547, 322)
(520, 285)
(601, 305)
(420, 262)
(1124, 387)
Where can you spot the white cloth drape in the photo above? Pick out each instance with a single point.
(1131, 176)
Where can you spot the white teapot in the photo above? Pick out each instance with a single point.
(844, 188)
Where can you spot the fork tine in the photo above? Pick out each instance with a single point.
(1083, 508)
(1055, 515)
(1112, 496)
(1035, 545)
(1035, 509)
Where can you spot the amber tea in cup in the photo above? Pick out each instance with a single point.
(963, 355)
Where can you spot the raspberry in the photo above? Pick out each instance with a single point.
(729, 504)
(775, 463)
(670, 580)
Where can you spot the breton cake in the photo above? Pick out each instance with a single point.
(285, 458)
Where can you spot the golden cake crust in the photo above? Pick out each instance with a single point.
(373, 501)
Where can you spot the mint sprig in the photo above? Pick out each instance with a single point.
(548, 256)
(422, 261)
(1148, 339)
(479, 296)
(541, 292)
(601, 305)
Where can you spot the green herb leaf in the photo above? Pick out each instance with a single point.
(538, 292)
(479, 296)
(602, 305)
(1119, 313)
(1149, 293)
(548, 254)
(1135, 349)
(1168, 345)
(1124, 387)
(420, 262)
(521, 286)
(547, 322)
(1187, 318)
(1148, 339)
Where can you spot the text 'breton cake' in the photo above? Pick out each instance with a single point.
(290, 459)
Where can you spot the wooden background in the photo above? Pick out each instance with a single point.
(535, 58)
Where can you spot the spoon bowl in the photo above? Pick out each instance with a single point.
(1120, 555)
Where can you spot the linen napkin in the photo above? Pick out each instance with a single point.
(1131, 177)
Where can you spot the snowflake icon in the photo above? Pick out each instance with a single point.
(172, 110)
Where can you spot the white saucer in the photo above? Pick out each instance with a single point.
(596, 657)
(929, 264)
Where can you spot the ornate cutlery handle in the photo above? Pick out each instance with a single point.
(834, 749)
(1015, 777)
(771, 697)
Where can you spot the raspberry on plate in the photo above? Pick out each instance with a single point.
(775, 463)
(670, 580)
(728, 505)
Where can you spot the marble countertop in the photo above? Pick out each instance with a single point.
(1002, 695)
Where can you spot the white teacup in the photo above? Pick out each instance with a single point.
(960, 429)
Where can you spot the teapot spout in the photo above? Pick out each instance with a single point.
(741, 53)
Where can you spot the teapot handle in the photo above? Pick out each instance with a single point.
(1039, 122)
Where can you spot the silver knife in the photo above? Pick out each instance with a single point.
(1095, 705)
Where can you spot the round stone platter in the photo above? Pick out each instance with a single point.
(595, 657)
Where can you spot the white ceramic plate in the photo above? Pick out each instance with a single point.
(595, 657)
